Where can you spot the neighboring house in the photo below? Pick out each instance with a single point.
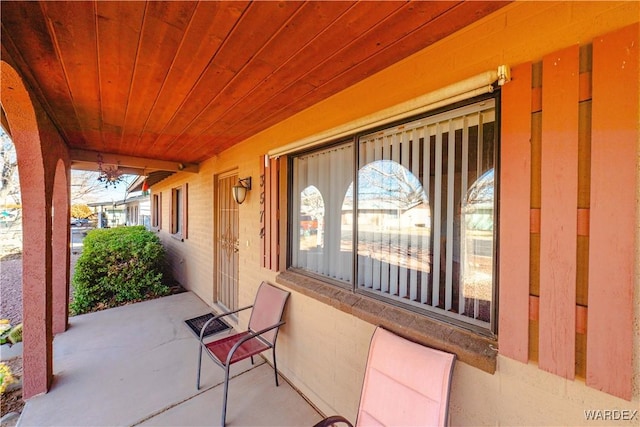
(109, 213)
(517, 134)
(134, 210)
(137, 210)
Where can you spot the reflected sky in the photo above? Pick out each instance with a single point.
(385, 184)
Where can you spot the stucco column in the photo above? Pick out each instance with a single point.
(37, 354)
(60, 249)
(22, 117)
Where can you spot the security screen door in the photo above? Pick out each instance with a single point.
(226, 238)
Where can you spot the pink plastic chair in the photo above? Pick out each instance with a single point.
(405, 384)
(261, 335)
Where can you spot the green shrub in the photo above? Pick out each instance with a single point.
(15, 335)
(118, 265)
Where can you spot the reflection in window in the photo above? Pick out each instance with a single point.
(311, 219)
(394, 226)
(431, 163)
(477, 230)
(321, 237)
(423, 219)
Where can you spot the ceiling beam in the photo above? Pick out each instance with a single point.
(93, 167)
(81, 159)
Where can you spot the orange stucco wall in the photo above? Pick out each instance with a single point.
(322, 350)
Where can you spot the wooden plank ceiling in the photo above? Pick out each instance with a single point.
(182, 81)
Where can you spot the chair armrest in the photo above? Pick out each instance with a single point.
(226, 313)
(329, 421)
(249, 336)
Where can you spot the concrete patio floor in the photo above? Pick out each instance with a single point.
(136, 365)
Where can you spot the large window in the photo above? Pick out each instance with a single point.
(405, 214)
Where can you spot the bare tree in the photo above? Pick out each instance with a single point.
(9, 184)
(10, 212)
(84, 186)
(389, 181)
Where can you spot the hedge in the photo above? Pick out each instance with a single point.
(118, 265)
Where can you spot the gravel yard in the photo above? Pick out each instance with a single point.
(11, 308)
(11, 287)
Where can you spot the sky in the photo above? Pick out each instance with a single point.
(83, 182)
(87, 182)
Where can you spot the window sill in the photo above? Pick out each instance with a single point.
(177, 237)
(470, 348)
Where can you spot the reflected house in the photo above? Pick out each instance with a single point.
(418, 216)
(381, 233)
(378, 218)
(393, 211)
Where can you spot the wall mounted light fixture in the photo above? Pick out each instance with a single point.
(240, 191)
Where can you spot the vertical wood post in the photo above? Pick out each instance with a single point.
(613, 226)
(515, 194)
(558, 222)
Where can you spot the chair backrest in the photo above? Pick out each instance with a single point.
(268, 309)
(405, 384)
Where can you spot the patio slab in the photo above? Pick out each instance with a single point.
(137, 364)
(253, 401)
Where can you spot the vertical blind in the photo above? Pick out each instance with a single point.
(322, 237)
(424, 236)
(424, 205)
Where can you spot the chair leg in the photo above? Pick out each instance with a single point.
(275, 366)
(199, 366)
(224, 395)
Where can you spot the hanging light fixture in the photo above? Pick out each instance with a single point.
(108, 175)
(145, 183)
(239, 191)
(145, 187)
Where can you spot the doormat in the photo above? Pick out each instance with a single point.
(214, 327)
